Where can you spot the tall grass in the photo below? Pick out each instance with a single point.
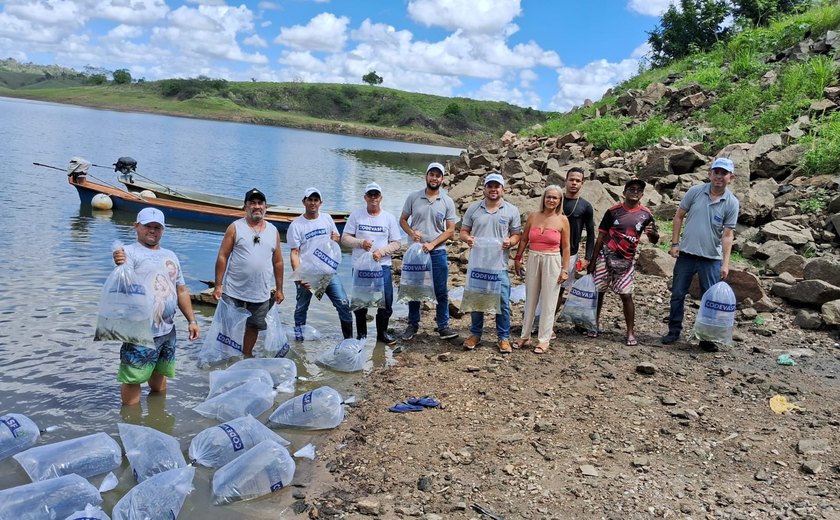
(823, 155)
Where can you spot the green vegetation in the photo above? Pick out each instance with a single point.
(372, 78)
(823, 155)
(815, 203)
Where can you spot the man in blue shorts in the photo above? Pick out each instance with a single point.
(161, 271)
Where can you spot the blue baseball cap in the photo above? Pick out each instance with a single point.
(724, 163)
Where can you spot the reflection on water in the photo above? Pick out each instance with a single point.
(56, 255)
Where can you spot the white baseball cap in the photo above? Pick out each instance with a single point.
(311, 191)
(438, 166)
(494, 177)
(372, 187)
(149, 215)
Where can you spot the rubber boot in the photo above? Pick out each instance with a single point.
(361, 324)
(382, 331)
(347, 329)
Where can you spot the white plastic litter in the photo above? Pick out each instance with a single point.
(517, 294)
(86, 456)
(316, 410)
(581, 304)
(283, 371)
(48, 499)
(159, 497)
(224, 339)
(17, 433)
(456, 294)
(218, 445)
(223, 380)
(716, 316)
(149, 451)
(307, 452)
(347, 356)
(265, 468)
(110, 482)
(90, 512)
(252, 398)
(276, 341)
(416, 282)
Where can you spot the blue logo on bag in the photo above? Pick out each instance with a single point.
(284, 350)
(718, 306)
(324, 257)
(315, 233)
(589, 295)
(225, 340)
(370, 228)
(12, 424)
(134, 288)
(485, 277)
(275, 487)
(307, 401)
(416, 268)
(370, 274)
(235, 439)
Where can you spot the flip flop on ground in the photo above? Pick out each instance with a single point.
(631, 341)
(406, 407)
(425, 401)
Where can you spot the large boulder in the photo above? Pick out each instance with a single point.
(787, 232)
(825, 268)
(813, 293)
(600, 198)
(779, 163)
(758, 201)
(787, 262)
(464, 188)
(744, 285)
(764, 145)
(656, 262)
(673, 159)
(831, 313)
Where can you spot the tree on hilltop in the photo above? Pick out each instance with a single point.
(694, 27)
(372, 78)
(122, 77)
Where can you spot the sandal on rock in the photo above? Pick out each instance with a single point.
(541, 348)
(631, 341)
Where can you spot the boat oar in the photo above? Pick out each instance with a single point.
(164, 186)
(48, 166)
(92, 177)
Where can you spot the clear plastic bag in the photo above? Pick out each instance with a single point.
(252, 398)
(517, 294)
(90, 512)
(483, 288)
(48, 499)
(319, 409)
(223, 380)
(218, 445)
(716, 316)
(17, 433)
(368, 288)
(283, 371)
(149, 451)
(265, 468)
(86, 456)
(416, 283)
(224, 339)
(319, 265)
(581, 305)
(125, 307)
(302, 333)
(160, 496)
(276, 340)
(347, 356)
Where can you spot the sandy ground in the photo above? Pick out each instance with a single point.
(581, 432)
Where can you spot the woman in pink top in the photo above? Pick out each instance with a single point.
(546, 235)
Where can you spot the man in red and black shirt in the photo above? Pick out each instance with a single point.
(618, 237)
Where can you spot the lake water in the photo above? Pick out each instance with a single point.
(56, 255)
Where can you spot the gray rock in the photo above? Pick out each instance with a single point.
(757, 202)
(787, 232)
(786, 278)
(656, 262)
(368, 506)
(641, 461)
(424, 484)
(808, 320)
(812, 467)
(771, 248)
(744, 285)
(763, 145)
(813, 446)
(831, 313)
(646, 368)
(811, 292)
(823, 105)
(786, 262)
(675, 159)
(589, 470)
(761, 475)
(779, 163)
(824, 268)
(464, 187)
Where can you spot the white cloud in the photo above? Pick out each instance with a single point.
(124, 32)
(326, 32)
(497, 90)
(649, 7)
(479, 16)
(526, 77)
(136, 12)
(49, 12)
(590, 82)
(268, 6)
(255, 40)
(641, 51)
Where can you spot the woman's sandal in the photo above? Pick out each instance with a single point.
(631, 341)
(541, 348)
(521, 343)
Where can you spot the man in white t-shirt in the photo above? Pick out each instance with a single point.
(377, 231)
(302, 236)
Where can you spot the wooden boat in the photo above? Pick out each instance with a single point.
(206, 214)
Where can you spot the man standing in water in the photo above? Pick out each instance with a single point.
(710, 212)
(249, 265)
(375, 230)
(493, 218)
(142, 363)
(302, 237)
(428, 216)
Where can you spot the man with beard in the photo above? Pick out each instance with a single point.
(249, 265)
(428, 216)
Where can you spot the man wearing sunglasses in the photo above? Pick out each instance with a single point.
(249, 265)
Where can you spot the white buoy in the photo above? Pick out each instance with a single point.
(101, 201)
(148, 194)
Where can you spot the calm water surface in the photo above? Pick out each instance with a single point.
(55, 256)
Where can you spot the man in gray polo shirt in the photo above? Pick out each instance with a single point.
(493, 217)
(710, 212)
(428, 216)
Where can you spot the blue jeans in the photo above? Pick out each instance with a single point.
(708, 274)
(440, 274)
(335, 292)
(502, 319)
(388, 281)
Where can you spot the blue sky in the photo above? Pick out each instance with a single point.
(546, 54)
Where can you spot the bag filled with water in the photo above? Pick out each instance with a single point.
(86, 456)
(252, 398)
(368, 288)
(224, 339)
(302, 333)
(283, 371)
(265, 468)
(90, 512)
(218, 445)
(48, 499)
(149, 451)
(347, 356)
(416, 284)
(483, 287)
(158, 497)
(319, 409)
(17, 433)
(716, 316)
(319, 265)
(223, 380)
(581, 305)
(125, 307)
(276, 339)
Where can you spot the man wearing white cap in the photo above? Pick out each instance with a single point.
(249, 265)
(495, 218)
(710, 212)
(301, 236)
(375, 230)
(153, 363)
(428, 216)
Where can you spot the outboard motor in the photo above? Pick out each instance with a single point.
(78, 169)
(126, 166)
